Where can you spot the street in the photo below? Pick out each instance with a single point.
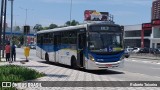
(87, 41)
(133, 70)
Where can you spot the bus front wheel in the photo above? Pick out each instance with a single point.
(74, 63)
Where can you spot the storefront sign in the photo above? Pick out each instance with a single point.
(146, 26)
(156, 22)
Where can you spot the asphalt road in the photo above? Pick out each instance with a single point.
(134, 69)
(151, 69)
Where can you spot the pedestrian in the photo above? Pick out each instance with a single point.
(7, 50)
(13, 52)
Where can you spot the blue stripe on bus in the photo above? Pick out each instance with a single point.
(53, 48)
(107, 58)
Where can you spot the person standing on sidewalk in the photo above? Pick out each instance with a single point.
(7, 50)
(13, 52)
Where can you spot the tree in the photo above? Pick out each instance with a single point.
(38, 27)
(17, 28)
(68, 23)
(45, 28)
(52, 26)
(72, 23)
(21, 39)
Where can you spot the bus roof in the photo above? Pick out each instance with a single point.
(74, 27)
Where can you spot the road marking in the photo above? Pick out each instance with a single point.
(142, 74)
(155, 68)
(143, 61)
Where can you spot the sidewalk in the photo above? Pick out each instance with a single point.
(60, 73)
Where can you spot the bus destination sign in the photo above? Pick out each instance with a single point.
(95, 28)
(103, 28)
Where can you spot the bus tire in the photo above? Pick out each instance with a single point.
(74, 63)
(47, 57)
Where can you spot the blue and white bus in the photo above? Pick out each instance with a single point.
(93, 46)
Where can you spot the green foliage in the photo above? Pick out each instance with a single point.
(52, 26)
(45, 28)
(13, 73)
(17, 28)
(38, 27)
(21, 39)
(72, 23)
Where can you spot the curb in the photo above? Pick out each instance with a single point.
(146, 58)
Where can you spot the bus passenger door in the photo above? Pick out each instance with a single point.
(41, 46)
(56, 46)
(81, 41)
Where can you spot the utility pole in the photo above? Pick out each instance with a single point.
(1, 21)
(4, 27)
(25, 39)
(11, 25)
(26, 12)
(26, 16)
(25, 34)
(70, 12)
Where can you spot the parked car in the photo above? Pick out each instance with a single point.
(32, 46)
(129, 49)
(136, 50)
(156, 51)
(126, 53)
(152, 50)
(144, 50)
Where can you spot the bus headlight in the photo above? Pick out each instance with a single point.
(91, 58)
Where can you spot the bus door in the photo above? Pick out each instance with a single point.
(56, 46)
(41, 46)
(81, 41)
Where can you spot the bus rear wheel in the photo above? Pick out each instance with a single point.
(47, 57)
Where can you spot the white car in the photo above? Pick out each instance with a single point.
(136, 50)
(129, 50)
(32, 46)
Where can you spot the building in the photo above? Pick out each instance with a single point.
(156, 9)
(155, 39)
(132, 35)
(137, 35)
(146, 34)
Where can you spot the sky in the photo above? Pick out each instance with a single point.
(46, 12)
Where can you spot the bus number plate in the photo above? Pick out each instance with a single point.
(108, 65)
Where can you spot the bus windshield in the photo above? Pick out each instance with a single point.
(105, 41)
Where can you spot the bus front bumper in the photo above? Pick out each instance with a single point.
(101, 66)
